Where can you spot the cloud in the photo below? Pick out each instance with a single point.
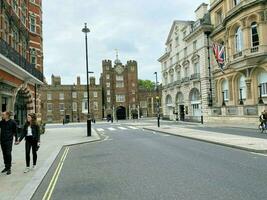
(137, 28)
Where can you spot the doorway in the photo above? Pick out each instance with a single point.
(182, 112)
(121, 113)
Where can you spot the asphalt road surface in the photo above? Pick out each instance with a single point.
(133, 164)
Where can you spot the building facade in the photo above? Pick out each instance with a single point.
(240, 91)
(120, 89)
(21, 57)
(185, 69)
(148, 102)
(69, 102)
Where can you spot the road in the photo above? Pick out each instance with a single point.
(131, 164)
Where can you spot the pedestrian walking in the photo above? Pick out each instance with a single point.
(31, 133)
(8, 132)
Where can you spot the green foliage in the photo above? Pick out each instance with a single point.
(149, 85)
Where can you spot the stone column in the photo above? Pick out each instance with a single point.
(138, 110)
(129, 113)
(248, 85)
(152, 106)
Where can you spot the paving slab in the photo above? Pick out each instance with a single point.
(22, 186)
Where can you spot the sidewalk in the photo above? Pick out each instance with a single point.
(257, 145)
(22, 186)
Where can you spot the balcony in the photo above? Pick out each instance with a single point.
(195, 76)
(254, 49)
(237, 55)
(185, 80)
(10, 53)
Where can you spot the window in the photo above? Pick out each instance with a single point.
(196, 68)
(120, 98)
(254, 35)
(74, 106)
(23, 13)
(177, 41)
(170, 61)
(133, 99)
(133, 91)
(165, 64)
(15, 6)
(119, 84)
(108, 99)
(95, 94)
(61, 107)
(184, 34)
(107, 76)
(242, 86)
(85, 107)
(236, 2)
(49, 107)
(170, 46)
(33, 58)
(108, 84)
(74, 95)
(61, 96)
(262, 78)
(85, 95)
(186, 72)
(185, 51)
(225, 89)
(219, 17)
(177, 57)
(15, 38)
(143, 104)
(178, 75)
(49, 96)
(195, 45)
(238, 40)
(119, 78)
(171, 78)
(108, 92)
(33, 23)
(95, 105)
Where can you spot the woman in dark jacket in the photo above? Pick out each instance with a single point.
(31, 133)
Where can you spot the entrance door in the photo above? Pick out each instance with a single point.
(121, 113)
(4, 104)
(181, 111)
(20, 108)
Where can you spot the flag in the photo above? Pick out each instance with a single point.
(219, 53)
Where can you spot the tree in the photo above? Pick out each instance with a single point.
(149, 85)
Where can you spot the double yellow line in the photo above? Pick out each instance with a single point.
(54, 179)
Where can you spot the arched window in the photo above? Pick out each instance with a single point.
(225, 89)
(254, 35)
(242, 86)
(169, 100)
(262, 78)
(238, 40)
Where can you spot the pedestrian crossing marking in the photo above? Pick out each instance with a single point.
(112, 129)
(132, 127)
(100, 129)
(122, 128)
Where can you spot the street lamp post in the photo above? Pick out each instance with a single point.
(86, 30)
(157, 89)
(260, 98)
(241, 98)
(223, 101)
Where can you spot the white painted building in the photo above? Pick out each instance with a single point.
(185, 69)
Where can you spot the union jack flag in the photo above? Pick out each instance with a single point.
(219, 53)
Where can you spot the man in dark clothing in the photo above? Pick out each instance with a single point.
(8, 132)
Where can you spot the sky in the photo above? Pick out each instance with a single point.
(137, 28)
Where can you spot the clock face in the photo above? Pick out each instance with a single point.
(119, 69)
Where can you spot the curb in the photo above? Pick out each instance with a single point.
(211, 142)
(29, 189)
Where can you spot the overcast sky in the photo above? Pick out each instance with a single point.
(138, 28)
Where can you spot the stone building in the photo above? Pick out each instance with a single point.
(185, 69)
(148, 102)
(21, 57)
(120, 89)
(240, 91)
(69, 102)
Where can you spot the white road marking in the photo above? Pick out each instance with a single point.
(259, 154)
(132, 127)
(112, 129)
(122, 128)
(100, 129)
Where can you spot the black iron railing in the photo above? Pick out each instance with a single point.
(7, 51)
